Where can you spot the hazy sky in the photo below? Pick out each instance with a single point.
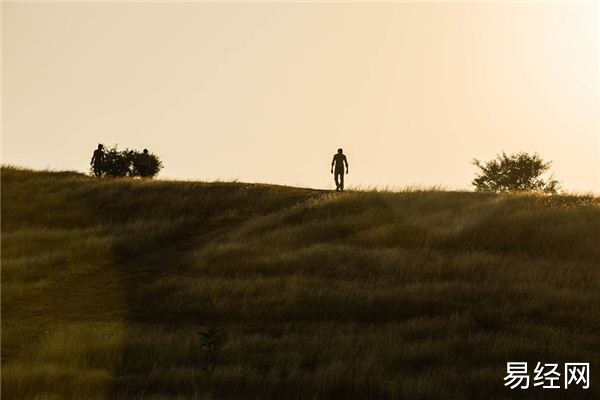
(266, 92)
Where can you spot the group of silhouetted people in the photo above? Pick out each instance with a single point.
(98, 162)
(337, 165)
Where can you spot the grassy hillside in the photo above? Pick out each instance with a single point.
(299, 294)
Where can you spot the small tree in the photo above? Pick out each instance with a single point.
(116, 163)
(138, 159)
(121, 163)
(515, 173)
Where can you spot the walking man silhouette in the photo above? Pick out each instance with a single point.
(98, 160)
(338, 162)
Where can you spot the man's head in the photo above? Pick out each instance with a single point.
(340, 151)
(100, 146)
(145, 151)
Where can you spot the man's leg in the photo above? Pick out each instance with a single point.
(342, 181)
(336, 178)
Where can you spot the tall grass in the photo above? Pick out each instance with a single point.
(107, 283)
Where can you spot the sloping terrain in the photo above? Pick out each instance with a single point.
(122, 289)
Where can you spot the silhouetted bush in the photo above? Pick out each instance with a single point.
(515, 173)
(116, 163)
(154, 164)
(121, 163)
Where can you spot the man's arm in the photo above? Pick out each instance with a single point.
(346, 162)
(332, 162)
(93, 156)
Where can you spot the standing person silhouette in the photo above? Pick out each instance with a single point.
(144, 164)
(339, 160)
(98, 160)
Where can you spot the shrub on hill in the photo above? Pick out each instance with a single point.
(514, 173)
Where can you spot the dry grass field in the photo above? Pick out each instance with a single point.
(130, 289)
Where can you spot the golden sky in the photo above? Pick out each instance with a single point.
(266, 92)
